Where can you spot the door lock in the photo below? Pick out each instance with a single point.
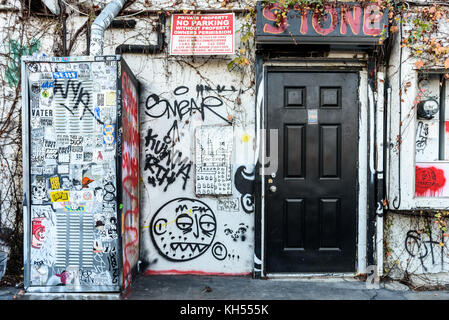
(273, 189)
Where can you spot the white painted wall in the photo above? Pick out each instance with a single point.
(160, 76)
(407, 247)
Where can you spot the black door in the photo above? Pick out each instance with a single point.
(311, 201)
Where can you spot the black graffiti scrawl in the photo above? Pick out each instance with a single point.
(183, 229)
(244, 183)
(163, 163)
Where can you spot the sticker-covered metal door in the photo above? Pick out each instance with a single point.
(72, 117)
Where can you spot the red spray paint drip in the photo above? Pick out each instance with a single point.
(429, 181)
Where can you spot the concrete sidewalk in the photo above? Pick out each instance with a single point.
(190, 287)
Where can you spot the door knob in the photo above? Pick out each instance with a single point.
(273, 188)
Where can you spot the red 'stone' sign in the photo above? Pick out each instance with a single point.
(205, 34)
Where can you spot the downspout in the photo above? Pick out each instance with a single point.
(372, 190)
(101, 23)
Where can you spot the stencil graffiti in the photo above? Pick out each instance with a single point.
(240, 233)
(429, 181)
(183, 229)
(244, 184)
(163, 163)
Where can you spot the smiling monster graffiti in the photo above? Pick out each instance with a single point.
(183, 229)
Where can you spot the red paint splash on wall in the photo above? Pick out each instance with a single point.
(429, 181)
(447, 126)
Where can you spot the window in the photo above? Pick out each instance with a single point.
(432, 137)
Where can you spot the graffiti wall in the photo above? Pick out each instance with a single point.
(72, 113)
(197, 151)
(130, 174)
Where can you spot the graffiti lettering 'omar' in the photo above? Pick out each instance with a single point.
(352, 20)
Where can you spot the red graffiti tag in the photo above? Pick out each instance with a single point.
(428, 181)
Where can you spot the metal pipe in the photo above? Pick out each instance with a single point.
(101, 23)
(146, 49)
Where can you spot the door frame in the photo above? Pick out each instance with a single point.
(341, 65)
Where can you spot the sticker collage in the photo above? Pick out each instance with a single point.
(73, 116)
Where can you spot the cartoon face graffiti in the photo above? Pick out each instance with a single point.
(183, 229)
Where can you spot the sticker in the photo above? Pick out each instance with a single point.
(64, 154)
(39, 190)
(63, 139)
(312, 116)
(100, 99)
(59, 196)
(88, 156)
(98, 156)
(36, 170)
(49, 170)
(51, 154)
(97, 113)
(45, 94)
(97, 170)
(49, 144)
(38, 231)
(48, 85)
(42, 113)
(33, 67)
(74, 208)
(66, 182)
(88, 195)
(63, 169)
(54, 183)
(110, 98)
(65, 75)
(108, 134)
(46, 122)
(76, 140)
(229, 205)
(35, 88)
(86, 181)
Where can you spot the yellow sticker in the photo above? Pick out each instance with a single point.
(246, 137)
(55, 184)
(59, 196)
(110, 98)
